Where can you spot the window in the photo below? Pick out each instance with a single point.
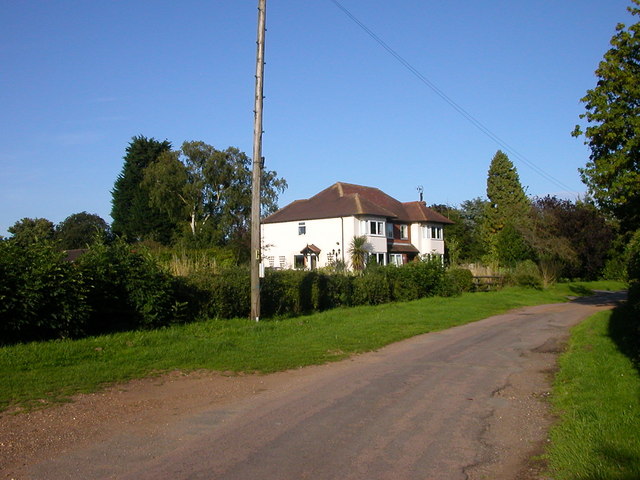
(283, 261)
(395, 259)
(271, 261)
(302, 228)
(376, 227)
(377, 258)
(404, 232)
(432, 231)
(389, 230)
(298, 261)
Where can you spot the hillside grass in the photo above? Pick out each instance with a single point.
(42, 373)
(597, 398)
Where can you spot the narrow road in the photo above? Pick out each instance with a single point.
(460, 404)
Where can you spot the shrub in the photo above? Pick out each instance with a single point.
(41, 295)
(372, 288)
(225, 294)
(127, 290)
(456, 281)
(526, 274)
(633, 272)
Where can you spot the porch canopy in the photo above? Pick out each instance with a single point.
(310, 250)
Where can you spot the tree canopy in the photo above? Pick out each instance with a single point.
(612, 173)
(31, 230)
(208, 190)
(133, 216)
(81, 229)
(508, 205)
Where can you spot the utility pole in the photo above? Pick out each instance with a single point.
(256, 247)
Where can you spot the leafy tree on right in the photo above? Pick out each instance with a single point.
(613, 127)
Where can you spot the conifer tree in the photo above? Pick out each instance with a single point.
(133, 215)
(508, 204)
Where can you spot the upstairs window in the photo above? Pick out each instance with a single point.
(434, 232)
(404, 232)
(302, 228)
(375, 228)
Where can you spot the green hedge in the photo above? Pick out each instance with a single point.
(109, 288)
(114, 288)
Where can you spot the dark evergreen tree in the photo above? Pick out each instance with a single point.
(508, 204)
(134, 218)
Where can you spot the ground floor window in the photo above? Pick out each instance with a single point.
(395, 259)
(377, 258)
(298, 261)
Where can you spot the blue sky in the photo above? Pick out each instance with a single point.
(80, 78)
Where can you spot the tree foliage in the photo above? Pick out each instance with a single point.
(32, 230)
(613, 127)
(81, 229)
(508, 205)
(133, 216)
(209, 190)
(463, 238)
(584, 227)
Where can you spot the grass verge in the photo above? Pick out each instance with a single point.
(597, 397)
(42, 373)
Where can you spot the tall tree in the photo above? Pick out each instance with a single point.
(31, 230)
(208, 189)
(81, 229)
(508, 205)
(613, 132)
(133, 216)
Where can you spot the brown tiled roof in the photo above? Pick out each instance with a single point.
(346, 199)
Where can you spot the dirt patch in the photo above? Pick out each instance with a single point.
(26, 438)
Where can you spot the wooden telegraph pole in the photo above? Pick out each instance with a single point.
(257, 166)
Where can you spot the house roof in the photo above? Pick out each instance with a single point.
(346, 199)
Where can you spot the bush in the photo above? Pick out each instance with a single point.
(372, 288)
(127, 290)
(633, 272)
(226, 294)
(456, 281)
(526, 274)
(41, 296)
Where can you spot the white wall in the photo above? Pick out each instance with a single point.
(283, 240)
(426, 245)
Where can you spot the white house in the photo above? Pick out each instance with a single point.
(318, 231)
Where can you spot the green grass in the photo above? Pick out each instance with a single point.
(39, 374)
(597, 396)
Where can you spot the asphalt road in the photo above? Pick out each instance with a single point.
(425, 408)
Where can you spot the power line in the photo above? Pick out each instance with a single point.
(470, 118)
